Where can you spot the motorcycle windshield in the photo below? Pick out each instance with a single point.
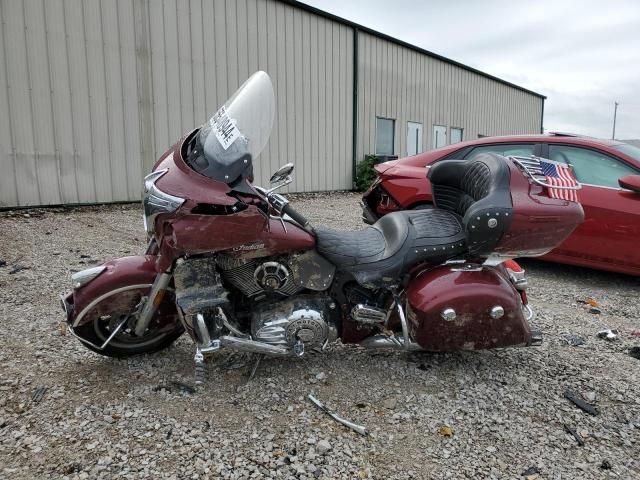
(238, 132)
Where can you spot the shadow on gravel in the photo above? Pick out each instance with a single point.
(351, 366)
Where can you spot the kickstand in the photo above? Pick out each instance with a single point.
(254, 369)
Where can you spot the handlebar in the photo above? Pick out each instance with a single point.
(295, 215)
(283, 207)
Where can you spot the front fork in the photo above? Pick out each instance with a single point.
(152, 303)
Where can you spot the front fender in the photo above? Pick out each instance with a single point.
(121, 273)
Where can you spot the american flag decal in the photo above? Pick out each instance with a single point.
(560, 175)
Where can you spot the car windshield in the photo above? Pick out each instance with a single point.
(231, 140)
(630, 150)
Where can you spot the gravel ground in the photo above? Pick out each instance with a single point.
(505, 410)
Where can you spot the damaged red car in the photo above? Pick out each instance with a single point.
(608, 170)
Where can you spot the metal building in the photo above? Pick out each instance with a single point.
(92, 92)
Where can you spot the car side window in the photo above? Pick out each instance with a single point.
(590, 166)
(522, 149)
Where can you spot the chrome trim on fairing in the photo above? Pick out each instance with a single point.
(155, 201)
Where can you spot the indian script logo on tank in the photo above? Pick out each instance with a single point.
(224, 128)
(248, 247)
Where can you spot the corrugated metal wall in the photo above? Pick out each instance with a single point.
(408, 86)
(202, 50)
(91, 92)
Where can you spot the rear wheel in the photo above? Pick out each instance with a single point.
(116, 315)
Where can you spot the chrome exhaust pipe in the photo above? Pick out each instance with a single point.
(382, 341)
(251, 346)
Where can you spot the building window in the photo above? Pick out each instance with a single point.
(385, 133)
(414, 138)
(439, 136)
(455, 135)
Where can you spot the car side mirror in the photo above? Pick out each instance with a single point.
(282, 173)
(630, 182)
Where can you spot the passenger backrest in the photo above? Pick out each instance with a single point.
(478, 191)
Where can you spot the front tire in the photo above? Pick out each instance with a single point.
(99, 323)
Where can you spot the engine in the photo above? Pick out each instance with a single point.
(281, 307)
(258, 277)
(303, 321)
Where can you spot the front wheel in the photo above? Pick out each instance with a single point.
(118, 313)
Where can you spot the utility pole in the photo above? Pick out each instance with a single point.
(615, 111)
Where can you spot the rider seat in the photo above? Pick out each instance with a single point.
(472, 211)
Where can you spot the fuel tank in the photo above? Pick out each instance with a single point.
(451, 309)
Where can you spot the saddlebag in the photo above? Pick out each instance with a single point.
(454, 308)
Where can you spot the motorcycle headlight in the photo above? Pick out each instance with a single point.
(155, 201)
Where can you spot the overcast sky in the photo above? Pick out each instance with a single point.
(583, 55)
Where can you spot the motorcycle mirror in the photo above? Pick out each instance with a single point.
(282, 173)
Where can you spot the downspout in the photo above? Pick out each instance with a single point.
(354, 132)
(542, 118)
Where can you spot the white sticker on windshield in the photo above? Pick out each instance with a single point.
(224, 128)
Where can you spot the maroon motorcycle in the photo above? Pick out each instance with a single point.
(239, 269)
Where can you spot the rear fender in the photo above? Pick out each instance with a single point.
(120, 274)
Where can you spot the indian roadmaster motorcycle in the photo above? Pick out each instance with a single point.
(239, 269)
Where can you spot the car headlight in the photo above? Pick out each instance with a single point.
(155, 201)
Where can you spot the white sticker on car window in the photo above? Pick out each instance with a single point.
(224, 128)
